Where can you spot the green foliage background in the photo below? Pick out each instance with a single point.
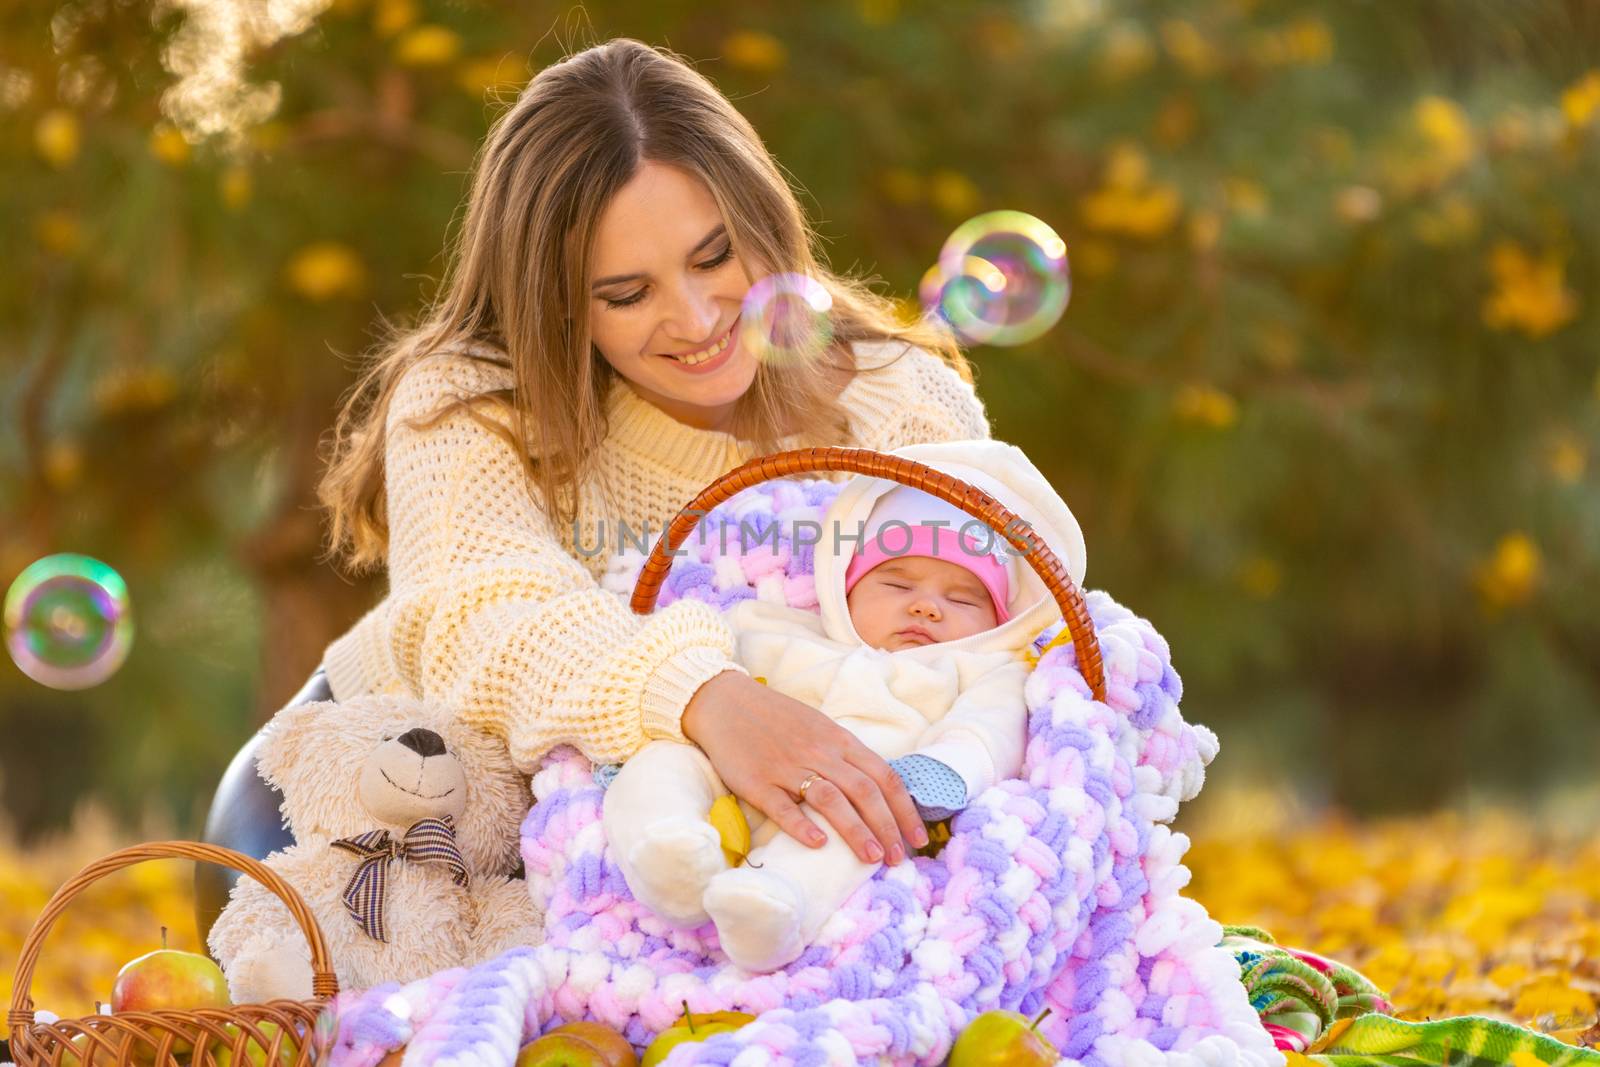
(1326, 397)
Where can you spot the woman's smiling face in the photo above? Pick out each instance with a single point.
(665, 292)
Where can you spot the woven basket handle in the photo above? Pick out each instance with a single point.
(969, 498)
(323, 983)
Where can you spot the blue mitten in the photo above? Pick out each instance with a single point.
(939, 792)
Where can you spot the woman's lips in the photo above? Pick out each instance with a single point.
(729, 340)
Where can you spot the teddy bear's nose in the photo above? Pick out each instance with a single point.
(423, 742)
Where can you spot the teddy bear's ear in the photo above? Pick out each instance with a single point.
(284, 744)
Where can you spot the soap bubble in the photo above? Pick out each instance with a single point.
(786, 318)
(1002, 279)
(68, 621)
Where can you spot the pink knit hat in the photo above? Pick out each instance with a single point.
(907, 511)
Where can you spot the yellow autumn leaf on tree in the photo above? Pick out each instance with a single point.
(389, 17)
(326, 270)
(1127, 52)
(58, 232)
(1205, 405)
(478, 76)
(1189, 47)
(168, 144)
(1529, 294)
(1129, 202)
(1581, 101)
(953, 193)
(1509, 575)
(1568, 459)
(235, 187)
(754, 51)
(1447, 130)
(427, 46)
(56, 137)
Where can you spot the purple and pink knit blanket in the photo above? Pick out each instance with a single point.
(1059, 888)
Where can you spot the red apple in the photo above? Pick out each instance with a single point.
(1003, 1039)
(691, 1027)
(168, 979)
(585, 1044)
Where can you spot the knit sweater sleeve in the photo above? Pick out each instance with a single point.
(924, 400)
(489, 615)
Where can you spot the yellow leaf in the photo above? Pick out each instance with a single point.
(1261, 577)
(1189, 47)
(326, 270)
(168, 145)
(1553, 995)
(1127, 52)
(59, 232)
(63, 465)
(953, 193)
(235, 187)
(733, 828)
(1509, 575)
(878, 12)
(1580, 103)
(1529, 294)
(389, 17)
(901, 185)
(1205, 405)
(478, 76)
(56, 137)
(1205, 229)
(1246, 197)
(754, 51)
(1568, 459)
(427, 46)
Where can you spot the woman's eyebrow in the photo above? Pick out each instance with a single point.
(705, 242)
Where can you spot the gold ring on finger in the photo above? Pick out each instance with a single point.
(800, 794)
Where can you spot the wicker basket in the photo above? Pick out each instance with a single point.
(973, 501)
(159, 1038)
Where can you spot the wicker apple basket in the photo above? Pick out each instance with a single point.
(240, 1034)
(974, 501)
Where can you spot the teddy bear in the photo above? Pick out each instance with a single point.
(406, 850)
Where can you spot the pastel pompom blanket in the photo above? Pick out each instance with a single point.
(1059, 888)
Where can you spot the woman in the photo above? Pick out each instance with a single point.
(581, 372)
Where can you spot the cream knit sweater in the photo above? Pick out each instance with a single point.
(497, 614)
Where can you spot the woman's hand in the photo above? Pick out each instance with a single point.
(763, 745)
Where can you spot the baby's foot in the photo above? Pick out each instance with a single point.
(758, 917)
(670, 868)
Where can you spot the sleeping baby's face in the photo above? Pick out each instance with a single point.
(918, 600)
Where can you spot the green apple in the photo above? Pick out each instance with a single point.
(585, 1044)
(73, 1056)
(255, 1053)
(1003, 1039)
(691, 1027)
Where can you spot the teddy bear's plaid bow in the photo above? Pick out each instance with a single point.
(427, 841)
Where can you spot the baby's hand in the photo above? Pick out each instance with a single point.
(938, 791)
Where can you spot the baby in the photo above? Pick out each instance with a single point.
(916, 649)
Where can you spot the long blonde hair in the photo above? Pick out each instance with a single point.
(516, 279)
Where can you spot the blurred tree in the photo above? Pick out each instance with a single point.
(1330, 363)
